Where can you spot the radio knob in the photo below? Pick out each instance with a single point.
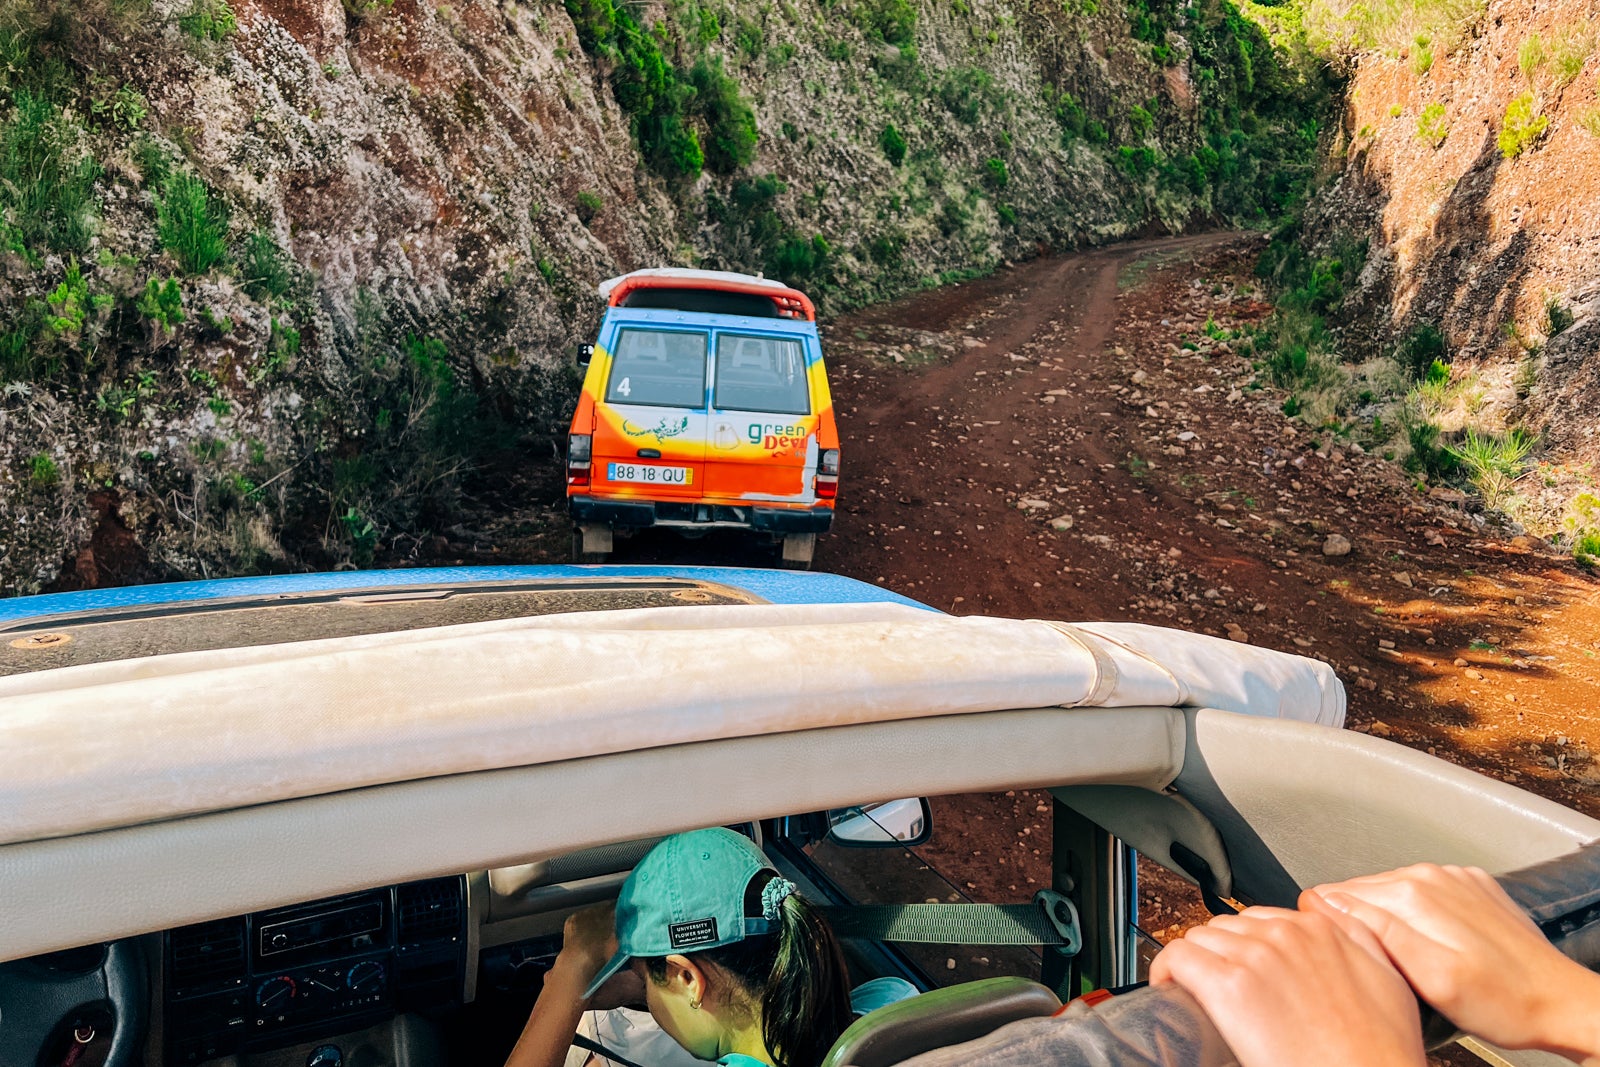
(278, 941)
(365, 978)
(275, 993)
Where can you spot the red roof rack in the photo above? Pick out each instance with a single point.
(791, 303)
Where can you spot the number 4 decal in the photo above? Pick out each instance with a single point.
(624, 389)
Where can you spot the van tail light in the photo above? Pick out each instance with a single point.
(579, 447)
(828, 474)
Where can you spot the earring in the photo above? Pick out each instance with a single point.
(694, 1005)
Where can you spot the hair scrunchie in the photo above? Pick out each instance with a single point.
(773, 894)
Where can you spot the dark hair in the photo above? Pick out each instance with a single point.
(795, 974)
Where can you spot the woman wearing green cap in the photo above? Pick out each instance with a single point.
(733, 965)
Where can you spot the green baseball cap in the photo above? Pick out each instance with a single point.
(686, 895)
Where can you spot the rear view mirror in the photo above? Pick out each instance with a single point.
(583, 354)
(888, 823)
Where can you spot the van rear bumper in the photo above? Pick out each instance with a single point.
(682, 513)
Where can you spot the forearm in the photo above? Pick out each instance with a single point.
(1572, 1029)
(552, 1023)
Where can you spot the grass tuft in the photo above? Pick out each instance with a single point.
(191, 226)
(46, 180)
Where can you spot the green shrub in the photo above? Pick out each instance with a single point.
(1141, 121)
(1582, 524)
(1530, 56)
(1493, 463)
(1432, 126)
(1557, 316)
(749, 37)
(707, 27)
(162, 303)
(1521, 127)
(894, 145)
(967, 92)
(191, 226)
(588, 205)
(891, 21)
(1586, 549)
(798, 260)
(995, 171)
(1071, 115)
(208, 20)
(646, 86)
(886, 248)
(730, 122)
(46, 179)
(1138, 160)
(124, 109)
(1426, 456)
(1421, 351)
(42, 472)
(1421, 55)
(1007, 214)
(1396, 110)
(1589, 121)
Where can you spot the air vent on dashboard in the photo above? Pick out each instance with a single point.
(207, 955)
(429, 912)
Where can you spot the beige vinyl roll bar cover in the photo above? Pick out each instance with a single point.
(110, 745)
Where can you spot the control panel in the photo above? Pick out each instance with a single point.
(276, 978)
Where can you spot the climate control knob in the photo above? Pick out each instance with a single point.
(275, 993)
(365, 978)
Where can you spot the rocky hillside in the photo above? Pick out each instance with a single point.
(280, 274)
(1463, 200)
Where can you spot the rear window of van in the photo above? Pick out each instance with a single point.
(660, 368)
(766, 374)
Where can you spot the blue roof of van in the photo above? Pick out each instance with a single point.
(665, 317)
(775, 586)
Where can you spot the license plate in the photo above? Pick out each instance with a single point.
(645, 474)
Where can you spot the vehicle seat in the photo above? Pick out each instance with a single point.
(938, 1018)
(646, 347)
(750, 353)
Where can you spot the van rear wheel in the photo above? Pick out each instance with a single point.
(591, 544)
(796, 550)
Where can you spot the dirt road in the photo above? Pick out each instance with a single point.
(1064, 439)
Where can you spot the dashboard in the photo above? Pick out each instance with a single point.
(266, 980)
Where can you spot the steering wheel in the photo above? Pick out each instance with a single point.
(1163, 1026)
(43, 999)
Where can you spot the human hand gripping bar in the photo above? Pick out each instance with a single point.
(1164, 1026)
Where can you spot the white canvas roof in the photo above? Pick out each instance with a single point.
(118, 744)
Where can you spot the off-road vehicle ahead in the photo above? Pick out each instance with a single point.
(705, 405)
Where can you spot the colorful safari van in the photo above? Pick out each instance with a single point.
(705, 405)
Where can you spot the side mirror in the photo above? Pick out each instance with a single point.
(889, 823)
(583, 354)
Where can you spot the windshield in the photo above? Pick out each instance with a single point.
(658, 368)
(766, 374)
